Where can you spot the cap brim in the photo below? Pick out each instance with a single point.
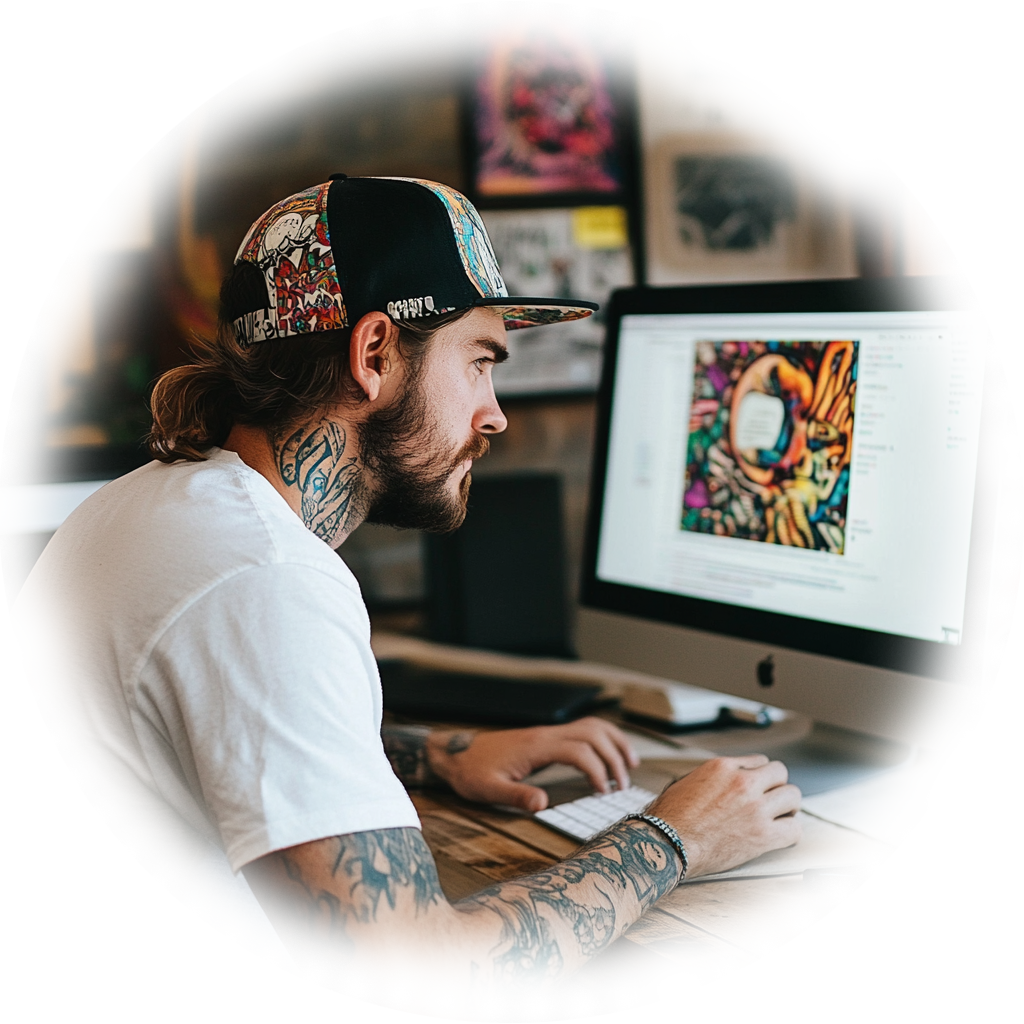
(520, 311)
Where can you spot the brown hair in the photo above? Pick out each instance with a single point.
(268, 384)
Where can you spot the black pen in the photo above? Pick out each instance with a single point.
(915, 869)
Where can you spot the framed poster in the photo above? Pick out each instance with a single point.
(74, 141)
(549, 121)
(744, 160)
(723, 207)
(578, 252)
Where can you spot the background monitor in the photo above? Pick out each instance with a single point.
(783, 503)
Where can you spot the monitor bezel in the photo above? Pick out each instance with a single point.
(848, 643)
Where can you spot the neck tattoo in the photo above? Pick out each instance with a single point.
(313, 460)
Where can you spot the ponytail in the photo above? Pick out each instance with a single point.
(193, 409)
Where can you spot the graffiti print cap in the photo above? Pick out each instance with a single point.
(411, 248)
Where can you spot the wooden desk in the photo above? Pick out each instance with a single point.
(749, 950)
(757, 949)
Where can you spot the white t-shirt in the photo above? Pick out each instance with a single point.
(225, 655)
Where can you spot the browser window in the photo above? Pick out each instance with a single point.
(818, 465)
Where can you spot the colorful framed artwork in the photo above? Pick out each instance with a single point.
(549, 117)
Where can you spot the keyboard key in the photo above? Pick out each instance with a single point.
(581, 819)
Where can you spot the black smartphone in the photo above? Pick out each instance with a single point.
(943, 966)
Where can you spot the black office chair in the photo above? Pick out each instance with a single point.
(57, 960)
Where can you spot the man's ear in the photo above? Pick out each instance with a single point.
(371, 352)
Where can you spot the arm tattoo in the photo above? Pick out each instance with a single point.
(583, 894)
(369, 868)
(546, 921)
(406, 749)
(313, 461)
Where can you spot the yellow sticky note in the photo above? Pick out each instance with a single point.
(599, 227)
(731, 17)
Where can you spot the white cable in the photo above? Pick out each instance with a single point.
(1007, 627)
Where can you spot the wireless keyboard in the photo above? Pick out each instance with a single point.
(581, 819)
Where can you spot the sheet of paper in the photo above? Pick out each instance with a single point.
(934, 809)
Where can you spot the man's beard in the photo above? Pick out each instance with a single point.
(411, 468)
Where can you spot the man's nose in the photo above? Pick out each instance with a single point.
(490, 419)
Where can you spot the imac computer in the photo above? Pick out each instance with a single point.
(784, 503)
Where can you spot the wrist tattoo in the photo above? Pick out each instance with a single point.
(459, 742)
(581, 897)
(406, 749)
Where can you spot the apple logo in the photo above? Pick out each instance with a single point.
(766, 671)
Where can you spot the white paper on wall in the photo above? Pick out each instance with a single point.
(558, 253)
(74, 148)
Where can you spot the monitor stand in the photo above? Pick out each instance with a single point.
(819, 757)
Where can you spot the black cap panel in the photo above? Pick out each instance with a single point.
(394, 249)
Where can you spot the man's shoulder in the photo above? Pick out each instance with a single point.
(164, 534)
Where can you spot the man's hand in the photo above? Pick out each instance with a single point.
(490, 766)
(730, 810)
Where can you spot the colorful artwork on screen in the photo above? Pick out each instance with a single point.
(545, 122)
(770, 440)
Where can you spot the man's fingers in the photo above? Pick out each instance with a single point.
(613, 759)
(582, 755)
(783, 800)
(750, 760)
(618, 739)
(610, 742)
(787, 831)
(770, 775)
(516, 794)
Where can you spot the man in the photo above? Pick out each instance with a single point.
(225, 648)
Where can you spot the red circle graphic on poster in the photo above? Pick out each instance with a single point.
(23, 51)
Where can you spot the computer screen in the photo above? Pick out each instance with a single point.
(793, 464)
(817, 464)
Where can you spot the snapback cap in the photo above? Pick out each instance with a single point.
(408, 247)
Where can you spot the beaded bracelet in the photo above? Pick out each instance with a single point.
(669, 832)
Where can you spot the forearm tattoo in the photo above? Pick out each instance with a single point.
(546, 921)
(594, 896)
(313, 459)
(368, 869)
(406, 749)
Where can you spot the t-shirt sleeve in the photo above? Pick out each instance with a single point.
(267, 690)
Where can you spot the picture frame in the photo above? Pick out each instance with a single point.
(549, 121)
(725, 207)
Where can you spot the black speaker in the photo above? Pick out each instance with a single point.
(499, 581)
